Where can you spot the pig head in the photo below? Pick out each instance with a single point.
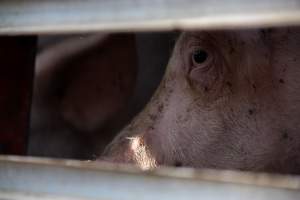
(229, 99)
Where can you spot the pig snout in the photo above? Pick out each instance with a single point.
(132, 150)
(229, 99)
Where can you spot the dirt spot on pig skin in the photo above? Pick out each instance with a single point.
(250, 111)
(232, 50)
(285, 136)
(204, 124)
(152, 117)
(229, 84)
(160, 108)
(206, 89)
(177, 164)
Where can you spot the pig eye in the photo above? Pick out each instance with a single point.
(199, 56)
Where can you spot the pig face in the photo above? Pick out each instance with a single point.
(229, 99)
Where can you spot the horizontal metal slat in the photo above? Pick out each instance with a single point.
(64, 16)
(33, 178)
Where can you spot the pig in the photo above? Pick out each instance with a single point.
(80, 89)
(229, 100)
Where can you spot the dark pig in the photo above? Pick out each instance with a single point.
(229, 99)
(81, 85)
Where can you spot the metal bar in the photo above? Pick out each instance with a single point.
(32, 178)
(16, 77)
(63, 16)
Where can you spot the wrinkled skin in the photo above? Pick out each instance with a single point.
(240, 109)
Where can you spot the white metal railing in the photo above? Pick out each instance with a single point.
(33, 178)
(63, 16)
